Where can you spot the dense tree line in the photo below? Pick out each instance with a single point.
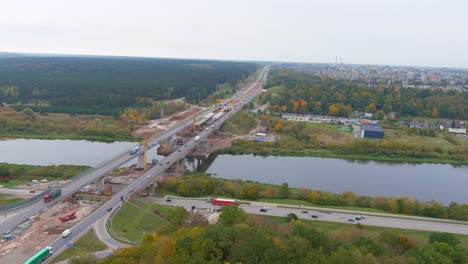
(198, 184)
(240, 238)
(307, 93)
(94, 127)
(305, 139)
(107, 85)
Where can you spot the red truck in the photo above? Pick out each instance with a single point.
(52, 195)
(216, 201)
(68, 217)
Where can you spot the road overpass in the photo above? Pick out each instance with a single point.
(150, 176)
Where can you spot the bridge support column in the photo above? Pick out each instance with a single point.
(141, 162)
(180, 166)
(99, 185)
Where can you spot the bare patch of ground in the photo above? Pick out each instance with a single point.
(42, 232)
(158, 125)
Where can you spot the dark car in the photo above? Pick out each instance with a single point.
(178, 150)
(358, 218)
(263, 210)
(314, 216)
(167, 162)
(168, 200)
(304, 212)
(109, 209)
(351, 220)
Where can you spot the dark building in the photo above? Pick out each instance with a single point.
(372, 131)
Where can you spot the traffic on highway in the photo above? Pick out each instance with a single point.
(116, 201)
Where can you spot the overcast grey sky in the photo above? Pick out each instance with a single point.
(397, 32)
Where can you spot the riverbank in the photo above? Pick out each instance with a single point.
(236, 149)
(12, 175)
(203, 185)
(53, 136)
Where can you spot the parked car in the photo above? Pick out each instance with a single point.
(314, 216)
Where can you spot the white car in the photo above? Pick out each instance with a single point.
(66, 233)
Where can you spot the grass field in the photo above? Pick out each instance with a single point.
(138, 218)
(87, 244)
(372, 231)
(305, 203)
(276, 89)
(5, 199)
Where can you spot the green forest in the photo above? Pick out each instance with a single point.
(107, 85)
(308, 93)
(242, 238)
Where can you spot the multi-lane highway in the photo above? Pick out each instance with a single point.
(151, 174)
(383, 220)
(85, 178)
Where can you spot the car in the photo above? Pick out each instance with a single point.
(148, 176)
(362, 217)
(263, 210)
(66, 233)
(304, 212)
(178, 150)
(351, 220)
(357, 218)
(314, 216)
(32, 191)
(168, 200)
(185, 145)
(167, 162)
(160, 164)
(109, 209)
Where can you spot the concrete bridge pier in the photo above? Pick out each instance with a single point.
(99, 185)
(141, 162)
(180, 166)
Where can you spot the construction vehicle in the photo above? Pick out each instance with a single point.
(68, 217)
(52, 195)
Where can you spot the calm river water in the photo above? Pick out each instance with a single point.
(56, 152)
(444, 183)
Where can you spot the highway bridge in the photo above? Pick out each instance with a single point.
(149, 177)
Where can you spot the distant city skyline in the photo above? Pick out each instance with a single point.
(424, 33)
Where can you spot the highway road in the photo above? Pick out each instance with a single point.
(428, 224)
(151, 174)
(85, 178)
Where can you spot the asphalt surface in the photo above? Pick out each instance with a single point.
(82, 180)
(275, 210)
(150, 176)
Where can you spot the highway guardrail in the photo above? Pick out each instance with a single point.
(24, 203)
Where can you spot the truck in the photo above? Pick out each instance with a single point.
(216, 201)
(68, 217)
(40, 256)
(197, 138)
(52, 195)
(134, 150)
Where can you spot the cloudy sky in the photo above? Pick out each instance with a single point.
(395, 32)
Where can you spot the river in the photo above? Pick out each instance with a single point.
(440, 182)
(61, 152)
